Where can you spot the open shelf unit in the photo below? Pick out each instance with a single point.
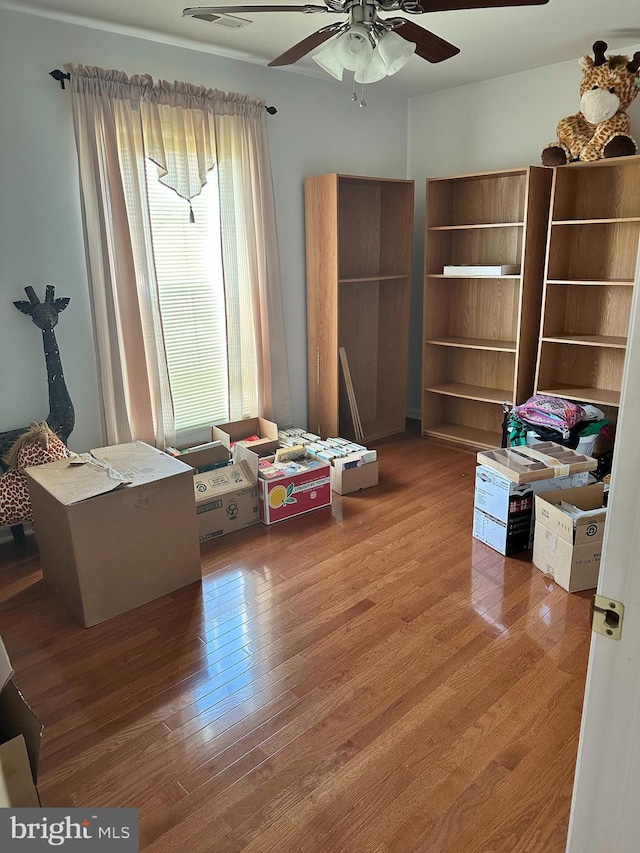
(480, 333)
(592, 248)
(359, 234)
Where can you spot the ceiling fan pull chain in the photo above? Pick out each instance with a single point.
(363, 103)
(354, 96)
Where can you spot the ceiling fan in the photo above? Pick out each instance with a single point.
(367, 28)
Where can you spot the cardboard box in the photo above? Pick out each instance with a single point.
(20, 735)
(503, 516)
(205, 458)
(227, 498)
(344, 481)
(287, 496)
(567, 548)
(107, 546)
(544, 461)
(230, 433)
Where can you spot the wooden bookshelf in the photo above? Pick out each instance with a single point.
(592, 248)
(480, 334)
(359, 233)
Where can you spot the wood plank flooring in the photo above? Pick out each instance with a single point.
(363, 678)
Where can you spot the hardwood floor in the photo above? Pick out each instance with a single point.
(363, 678)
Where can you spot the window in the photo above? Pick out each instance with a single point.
(191, 291)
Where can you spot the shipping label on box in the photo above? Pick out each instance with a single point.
(296, 494)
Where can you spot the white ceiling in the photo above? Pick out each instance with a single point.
(492, 42)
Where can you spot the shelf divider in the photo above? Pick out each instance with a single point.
(474, 343)
(465, 435)
(614, 341)
(472, 392)
(596, 396)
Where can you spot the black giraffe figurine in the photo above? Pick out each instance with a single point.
(61, 417)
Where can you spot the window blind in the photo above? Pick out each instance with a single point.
(191, 291)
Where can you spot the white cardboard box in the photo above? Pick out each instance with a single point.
(569, 549)
(504, 511)
(107, 547)
(344, 481)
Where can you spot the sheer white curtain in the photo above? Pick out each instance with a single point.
(185, 130)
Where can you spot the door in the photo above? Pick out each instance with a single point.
(605, 812)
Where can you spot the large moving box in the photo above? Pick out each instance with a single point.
(567, 544)
(20, 734)
(117, 531)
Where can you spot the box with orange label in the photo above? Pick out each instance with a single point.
(292, 488)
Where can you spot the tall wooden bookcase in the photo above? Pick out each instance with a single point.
(480, 333)
(358, 242)
(589, 275)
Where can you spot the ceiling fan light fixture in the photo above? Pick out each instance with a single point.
(328, 61)
(353, 48)
(373, 71)
(395, 51)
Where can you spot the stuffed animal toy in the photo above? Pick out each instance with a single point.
(37, 446)
(602, 127)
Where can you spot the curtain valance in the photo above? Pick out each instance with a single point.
(177, 120)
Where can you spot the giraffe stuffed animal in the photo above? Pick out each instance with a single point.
(602, 127)
(37, 446)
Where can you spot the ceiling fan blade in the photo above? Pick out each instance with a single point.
(197, 11)
(428, 45)
(453, 5)
(306, 45)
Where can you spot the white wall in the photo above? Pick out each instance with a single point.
(495, 124)
(317, 130)
(487, 125)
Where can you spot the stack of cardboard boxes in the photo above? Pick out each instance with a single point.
(545, 498)
(119, 526)
(255, 472)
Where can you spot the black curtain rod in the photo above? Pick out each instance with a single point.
(60, 76)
